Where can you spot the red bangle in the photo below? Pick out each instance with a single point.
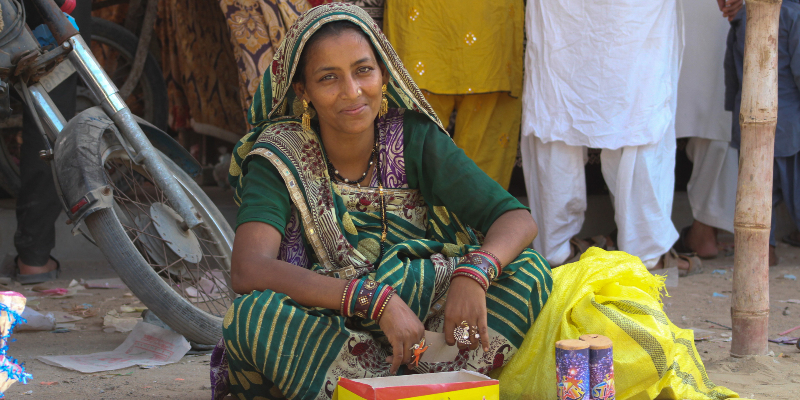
(347, 297)
(470, 273)
(383, 299)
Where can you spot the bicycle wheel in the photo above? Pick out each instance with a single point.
(114, 47)
(182, 276)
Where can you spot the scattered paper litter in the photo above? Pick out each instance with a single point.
(146, 345)
(112, 322)
(794, 301)
(56, 291)
(208, 287)
(36, 321)
(62, 316)
(784, 340)
(790, 277)
(111, 283)
(81, 310)
(127, 308)
(702, 334)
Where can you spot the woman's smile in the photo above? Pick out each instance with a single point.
(355, 109)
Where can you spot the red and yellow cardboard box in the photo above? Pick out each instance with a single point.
(461, 385)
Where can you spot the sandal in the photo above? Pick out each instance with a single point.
(791, 239)
(672, 257)
(29, 279)
(579, 246)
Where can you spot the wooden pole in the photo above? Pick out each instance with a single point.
(759, 115)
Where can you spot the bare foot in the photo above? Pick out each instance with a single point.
(702, 239)
(25, 269)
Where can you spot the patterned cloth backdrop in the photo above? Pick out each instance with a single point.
(198, 64)
(200, 69)
(256, 29)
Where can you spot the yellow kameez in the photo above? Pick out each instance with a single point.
(467, 55)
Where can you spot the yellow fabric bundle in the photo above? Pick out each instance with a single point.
(612, 294)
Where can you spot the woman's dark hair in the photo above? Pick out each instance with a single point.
(335, 28)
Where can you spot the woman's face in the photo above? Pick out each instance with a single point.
(343, 82)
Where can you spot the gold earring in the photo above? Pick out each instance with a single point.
(306, 117)
(384, 103)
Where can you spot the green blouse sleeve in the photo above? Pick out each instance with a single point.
(447, 177)
(264, 195)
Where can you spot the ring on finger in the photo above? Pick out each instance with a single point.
(462, 333)
(474, 331)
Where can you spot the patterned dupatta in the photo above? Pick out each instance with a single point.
(298, 155)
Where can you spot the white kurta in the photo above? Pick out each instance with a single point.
(601, 74)
(701, 92)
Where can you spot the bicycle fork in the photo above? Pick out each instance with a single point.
(107, 95)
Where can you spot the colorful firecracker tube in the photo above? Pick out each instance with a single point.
(601, 367)
(11, 306)
(572, 369)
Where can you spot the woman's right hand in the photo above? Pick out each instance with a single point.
(403, 329)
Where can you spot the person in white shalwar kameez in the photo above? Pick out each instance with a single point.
(701, 116)
(602, 75)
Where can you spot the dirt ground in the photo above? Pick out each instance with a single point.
(689, 305)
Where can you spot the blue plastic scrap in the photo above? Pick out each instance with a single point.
(719, 295)
(45, 37)
(720, 271)
(790, 277)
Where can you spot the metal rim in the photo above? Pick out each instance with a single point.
(205, 284)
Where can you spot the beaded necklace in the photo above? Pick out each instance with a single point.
(335, 172)
(377, 162)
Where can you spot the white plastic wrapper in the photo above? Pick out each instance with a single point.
(36, 321)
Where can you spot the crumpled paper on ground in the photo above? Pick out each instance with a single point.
(113, 322)
(146, 345)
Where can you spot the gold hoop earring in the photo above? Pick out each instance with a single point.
(306, 122)
(384, 103)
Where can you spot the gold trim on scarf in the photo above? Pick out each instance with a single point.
(300, 203)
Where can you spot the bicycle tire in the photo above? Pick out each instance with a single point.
(128, 260)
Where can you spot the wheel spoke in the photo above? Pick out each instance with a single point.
(135, 202)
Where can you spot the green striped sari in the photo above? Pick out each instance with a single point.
(438, 202)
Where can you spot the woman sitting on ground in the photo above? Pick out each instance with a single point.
(361, 225)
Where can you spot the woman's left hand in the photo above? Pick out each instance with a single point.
(466, 301)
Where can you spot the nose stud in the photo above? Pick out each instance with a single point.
(359, 91)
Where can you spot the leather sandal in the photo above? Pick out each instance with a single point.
(29, 279)
(578, 246)
(672, 257)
